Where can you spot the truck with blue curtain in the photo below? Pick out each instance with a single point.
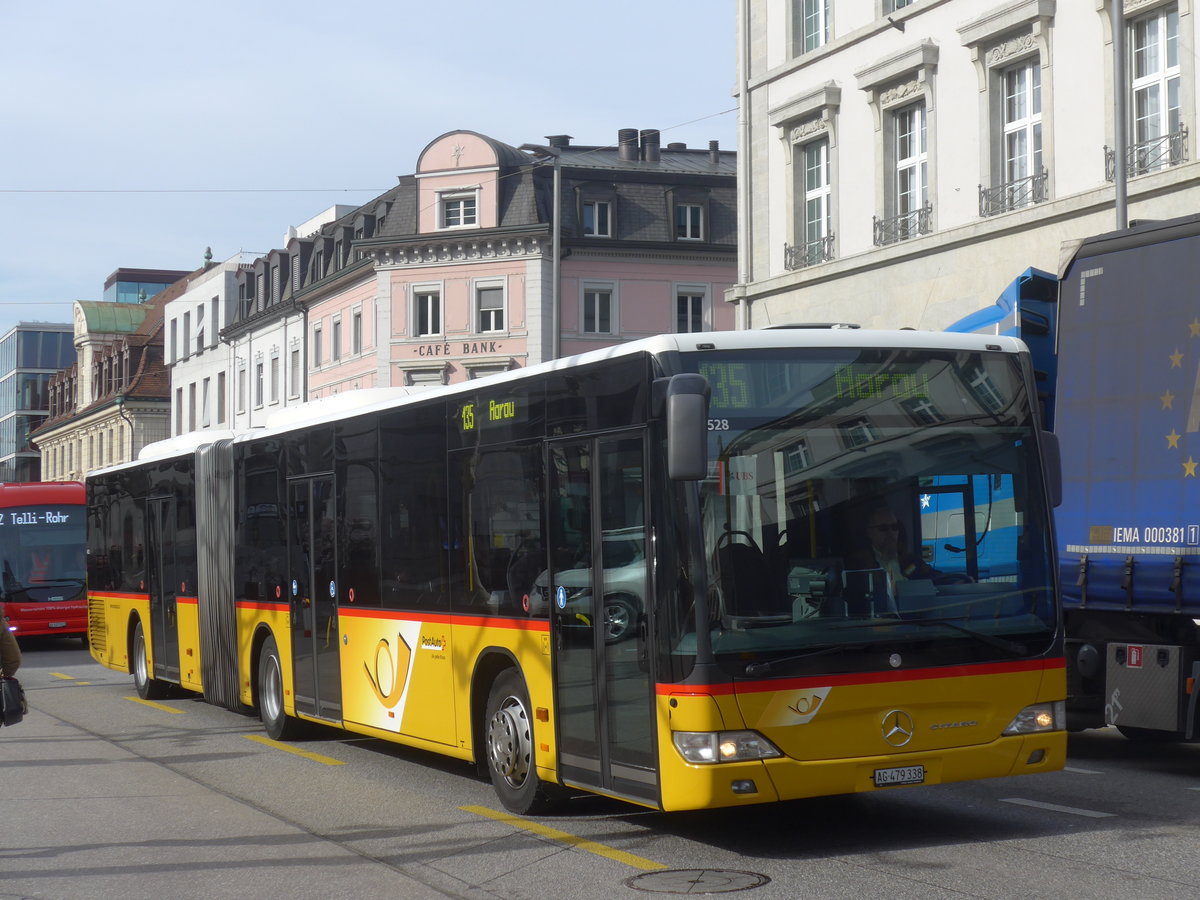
(1115, 339)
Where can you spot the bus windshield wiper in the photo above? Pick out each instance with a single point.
(1013, 647)
(756, 669)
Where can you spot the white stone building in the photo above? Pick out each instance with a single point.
(903, 162)
(202, 375)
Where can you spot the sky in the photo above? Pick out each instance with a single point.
(138, 133)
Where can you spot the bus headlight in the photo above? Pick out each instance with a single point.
(1038, 718)
(723, 746)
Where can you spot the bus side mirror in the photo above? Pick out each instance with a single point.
(1052, 453)
(687, 427)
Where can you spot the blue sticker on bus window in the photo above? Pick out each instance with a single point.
(332, 590)
(295, 587)
(560, 597)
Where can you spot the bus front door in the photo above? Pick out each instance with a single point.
(312, 551)
(162, 584)
(599, 592)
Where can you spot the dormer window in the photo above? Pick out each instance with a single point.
(459, 209)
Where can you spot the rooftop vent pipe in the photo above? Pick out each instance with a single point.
(627, 143)
(650, 140)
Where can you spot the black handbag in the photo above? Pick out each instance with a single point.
(12, 701)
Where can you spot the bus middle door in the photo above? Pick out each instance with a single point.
(312, 551)
(162, 585)
(599, 591)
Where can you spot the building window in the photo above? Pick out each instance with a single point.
(200, 328)
(187, 334)
(295, 273)
(214, 322)
(335, 344)
(294, 388)
(1154, 63)
(911, 213)
(205, 400)
(597, 218)
(1022, 121)
(811, 24)
(689, 222)
(275, 379)
(816, 225)
(427, 313)
(490, 305)
(356, 333)
(179, 410)
(241, 390)
(174, 340)
(458, 210)
(316, 347)
(258, 385)
(690, 310)
(857, 433)
(912, 165)
(1018, 173)
(597, 315)
(220, 398)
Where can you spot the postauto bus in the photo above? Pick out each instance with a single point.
(641, 572)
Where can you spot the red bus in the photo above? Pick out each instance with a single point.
(43, 558)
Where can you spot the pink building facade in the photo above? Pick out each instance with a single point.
(452, 274)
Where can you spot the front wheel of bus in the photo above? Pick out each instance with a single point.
(509, 740)
(278, 724)
(147, 687)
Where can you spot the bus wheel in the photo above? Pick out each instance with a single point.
(147, 687)
(509, 739)
(278, 724)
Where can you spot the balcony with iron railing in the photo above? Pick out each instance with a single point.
(801, 256)
(1013, 194)
(1149, 156)
(904, 226)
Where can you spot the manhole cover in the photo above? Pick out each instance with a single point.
(696, 881)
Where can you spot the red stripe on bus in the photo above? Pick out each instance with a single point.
(446, 619)
(861, 678)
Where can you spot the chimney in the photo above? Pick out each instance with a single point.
(677, 145)
(714, 154)
(558, 141)
(650, 138)
(627, 141)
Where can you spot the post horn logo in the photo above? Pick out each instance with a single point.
(898, 727)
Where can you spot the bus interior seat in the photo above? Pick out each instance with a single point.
(744, 580)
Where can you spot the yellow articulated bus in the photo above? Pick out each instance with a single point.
(686, 572)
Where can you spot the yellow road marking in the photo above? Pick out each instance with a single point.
(629, 859)
(62, 676)
(154, 705)
(287, 748)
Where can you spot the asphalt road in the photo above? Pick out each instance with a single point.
(106, 796)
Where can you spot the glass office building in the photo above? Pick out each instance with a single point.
(30, 355)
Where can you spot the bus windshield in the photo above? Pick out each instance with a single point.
(870, 506)
(41, 548)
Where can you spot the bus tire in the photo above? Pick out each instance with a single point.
(508, 739)
(278, 724)
(148, 688)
